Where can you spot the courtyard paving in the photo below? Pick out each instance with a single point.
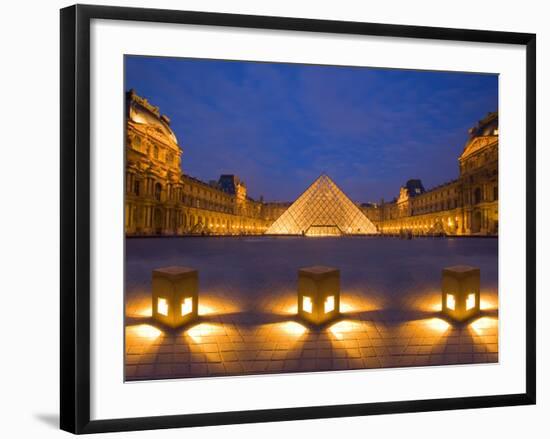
(390, 303)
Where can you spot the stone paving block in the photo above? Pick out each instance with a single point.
(182, 358)
(282, 355)
(264, 355)
(233, 367)
(339, 353)
(199, 369)
(291, 365)
(309, 353)
(182, 369)
(216, 369)
(465, 358)
(246, 355)
(356, 363)
(425, 350)
(275, 366)
(323, 364)
(257, 332)
(353, 353)
(211, 347)
(228, 356)
(324, 353)
(164, 370)
(165, 358)
(145, 370)
(198, 358)
(371, 362)
(213, 357)
(339, 364)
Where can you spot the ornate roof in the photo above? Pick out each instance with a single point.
(140, 111)
(483, 134)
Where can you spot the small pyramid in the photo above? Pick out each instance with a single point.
(323, 209)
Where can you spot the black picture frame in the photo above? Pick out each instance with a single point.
(75, 217)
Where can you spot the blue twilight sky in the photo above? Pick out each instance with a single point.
(279, 126)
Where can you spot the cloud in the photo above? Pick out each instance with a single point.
(278, 126)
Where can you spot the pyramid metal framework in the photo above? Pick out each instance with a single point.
(322, 210)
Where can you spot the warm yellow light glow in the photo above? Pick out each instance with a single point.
(450, 301)
(488, 303)
(352, 302)
(205, 310)
(292, 309)
(187, 306)
(329, 304)
(429, 302)
(339, 329)
(205, 330)
(212, 304)
(437, 324)
(144, 331)
(346, 307)
(320, 231)
(162, 306)
(307, 305)
(146, 311)
(484, 325)
(293, 328)
(470, 301)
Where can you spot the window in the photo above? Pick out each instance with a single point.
(329, 304)
(136, 142)
(187, 306)
(450, 302)
(307, 304)
(156, 152)
(158, 191)
(470, 301)
(162, 306)
(477, 196)
(495, 193)
(136, 187)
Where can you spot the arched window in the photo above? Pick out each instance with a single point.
(158, 191)
(136, 142)
(477, 196)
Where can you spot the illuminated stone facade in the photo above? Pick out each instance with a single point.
(162, 200)
(465, 206)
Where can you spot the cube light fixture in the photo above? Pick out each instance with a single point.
(318, 294)
(175, 295)
(460, 291)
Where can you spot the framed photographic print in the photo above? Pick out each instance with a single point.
(253, 205)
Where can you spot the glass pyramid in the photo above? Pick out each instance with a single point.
(322, 210)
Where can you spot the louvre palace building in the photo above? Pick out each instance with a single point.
(162, 200)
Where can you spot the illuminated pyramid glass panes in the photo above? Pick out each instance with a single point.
(322, 210)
